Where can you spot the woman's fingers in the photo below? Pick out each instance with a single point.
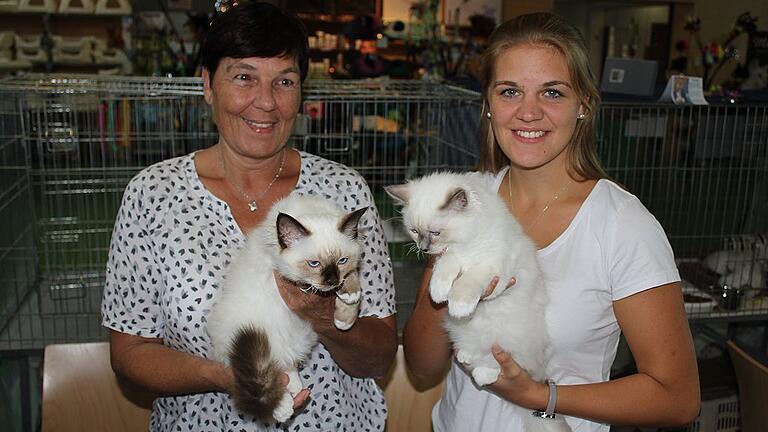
(509, 367)
(300, 399)
(492, 286)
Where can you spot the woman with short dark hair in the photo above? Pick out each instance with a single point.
(182, 220)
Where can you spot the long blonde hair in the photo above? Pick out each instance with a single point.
(550, 30)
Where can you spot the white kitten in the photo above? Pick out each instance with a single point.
(461, 220)
(308, 240)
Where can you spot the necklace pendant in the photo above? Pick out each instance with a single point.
(252, 206)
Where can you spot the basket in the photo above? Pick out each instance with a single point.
(718, 415)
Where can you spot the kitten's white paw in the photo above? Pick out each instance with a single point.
(464, 357)
(284, 409)
(341, 325)
(349, 298)
(461, 308)
(439, 289)
(485, 375)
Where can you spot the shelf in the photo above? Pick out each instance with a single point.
(62, 14)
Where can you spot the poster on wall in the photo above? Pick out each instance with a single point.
(459, 11)
(684, 90)
(758, 48)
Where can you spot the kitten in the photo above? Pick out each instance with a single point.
(461, 220)
(307, 240)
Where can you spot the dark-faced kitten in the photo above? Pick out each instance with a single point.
(312, 242)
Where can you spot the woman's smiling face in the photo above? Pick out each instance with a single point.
(533, 106)
(255, 102)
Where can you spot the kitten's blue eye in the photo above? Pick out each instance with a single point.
(313, 264)
(342, 260)
(414, 231)
(435, 233)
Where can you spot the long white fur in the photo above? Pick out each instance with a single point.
(249, 296)
(479, 242)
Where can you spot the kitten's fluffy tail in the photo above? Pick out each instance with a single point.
(536, 424)
(258, 384)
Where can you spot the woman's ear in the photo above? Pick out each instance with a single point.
(583, 110)
(207, 91)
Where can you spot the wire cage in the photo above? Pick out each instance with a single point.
(703, 172)
(71, 144)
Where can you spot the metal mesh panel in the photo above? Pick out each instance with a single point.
(17, 253)
(703, 172)
(86, 136)
(70, 144)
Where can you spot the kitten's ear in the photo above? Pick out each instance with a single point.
(457, 200)
(348, 224)
(400, 193)
(289, 230)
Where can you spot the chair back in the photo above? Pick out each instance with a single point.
(82, 393)
(752, 379)
(409, 403)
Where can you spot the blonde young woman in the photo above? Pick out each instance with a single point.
(607, 261)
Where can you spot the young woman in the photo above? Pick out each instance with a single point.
(607, 262)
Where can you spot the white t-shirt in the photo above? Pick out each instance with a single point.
(613, 248)
(171, 246)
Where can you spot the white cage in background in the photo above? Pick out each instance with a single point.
(718, 415)
(70, 144)
(703, 172)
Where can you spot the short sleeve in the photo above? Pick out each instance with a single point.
(131, 298)
(639, 254)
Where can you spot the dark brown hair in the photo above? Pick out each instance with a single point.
(256, 30)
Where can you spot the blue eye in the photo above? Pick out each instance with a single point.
(509, 92)
(415, 231)
(313, 264)
(342, 260)
(552, 93)
(435, 233)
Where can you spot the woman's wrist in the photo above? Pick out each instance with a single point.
(549, 411)
(218, 375)
(539, 396)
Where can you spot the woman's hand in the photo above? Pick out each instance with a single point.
(301, 397)
(225, 380)
(315, 308)
(515, 384)
(492, 285)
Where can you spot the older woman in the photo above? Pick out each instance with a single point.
(183, 219)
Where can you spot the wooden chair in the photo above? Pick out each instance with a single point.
(752, 379)
(81, 392)
(409, 403)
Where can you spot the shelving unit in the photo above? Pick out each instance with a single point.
(61, 36)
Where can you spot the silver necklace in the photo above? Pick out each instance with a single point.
(253, 204)
(546, 207)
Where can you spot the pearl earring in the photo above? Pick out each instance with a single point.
(582, 116)
(488, 114)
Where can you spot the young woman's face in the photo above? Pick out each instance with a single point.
(255, 102)
(533, 106)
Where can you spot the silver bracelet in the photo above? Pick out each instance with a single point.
(549, 413)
